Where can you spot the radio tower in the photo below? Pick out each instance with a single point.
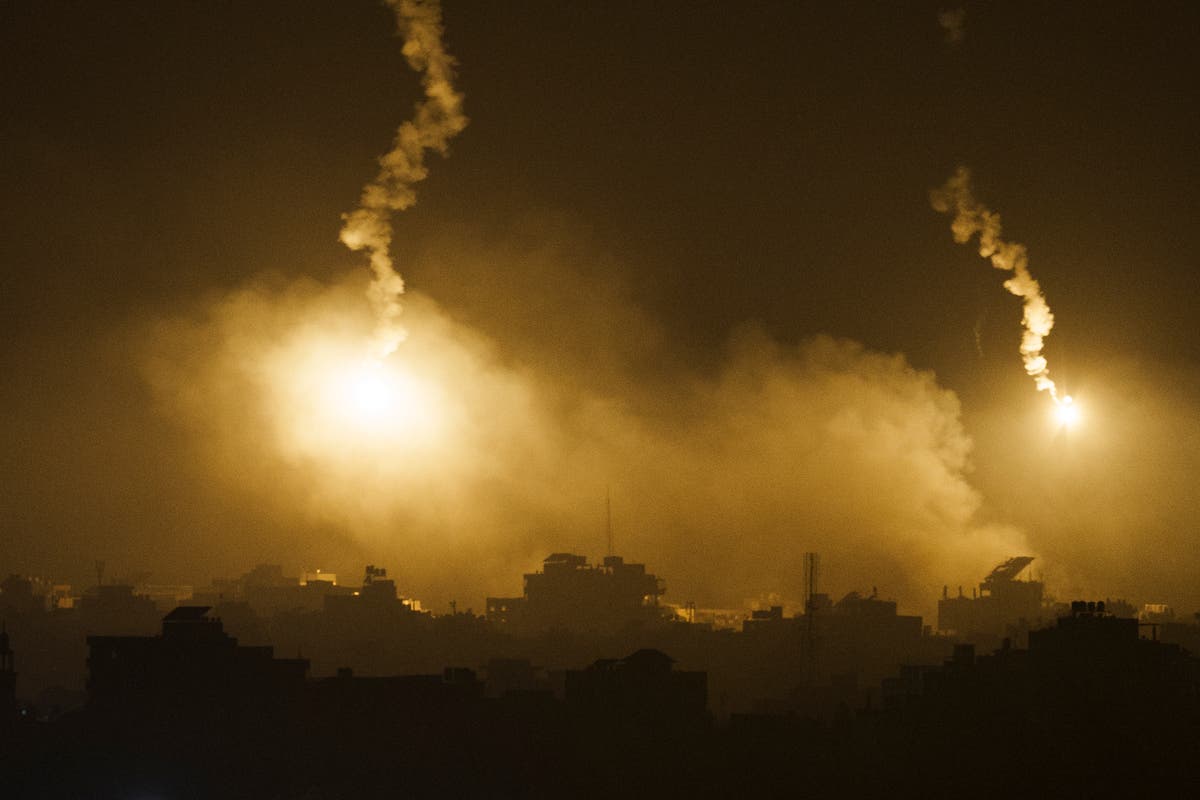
(812, 570)
(608, 517)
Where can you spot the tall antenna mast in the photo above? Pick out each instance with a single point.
(812, 570)
(608, 516)
(812, 573)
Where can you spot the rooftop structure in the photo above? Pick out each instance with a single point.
(1089, 632)
(376, 601)
(570, 594)
(642, 685)
(1002, 601)
(268, 591)
(192, 663)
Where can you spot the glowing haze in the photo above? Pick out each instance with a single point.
(972, 218)
(588, 270)
(472, 468)
(719, 481)
(439, 117)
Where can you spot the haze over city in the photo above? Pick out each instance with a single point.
(552, 399)
(683, 256)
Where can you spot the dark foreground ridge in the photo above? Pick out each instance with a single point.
(1090, 704)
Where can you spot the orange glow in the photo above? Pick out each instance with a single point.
(330, 402)
(378, 398)
(1066, 413)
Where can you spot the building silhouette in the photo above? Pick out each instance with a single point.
(193, 667)
(8, 678)
(642, 686)
(268, 591)
(377, 603)
(999, 605)
(115, 608)
(833, 654)
(570, 594)
(1090, 706)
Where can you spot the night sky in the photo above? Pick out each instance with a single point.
(683, 250)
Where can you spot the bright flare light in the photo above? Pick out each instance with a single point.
(1067, 413)
(381, 399)
(367, 392)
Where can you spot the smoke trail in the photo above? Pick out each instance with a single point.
(972, 217)
(438, 119)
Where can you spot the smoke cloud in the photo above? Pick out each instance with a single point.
(972, 218)
(720, 480)
(438, 119)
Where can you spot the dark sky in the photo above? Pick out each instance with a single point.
(695, 167)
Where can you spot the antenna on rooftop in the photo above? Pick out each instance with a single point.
(99, 573)
(812, 572)
(608, 516)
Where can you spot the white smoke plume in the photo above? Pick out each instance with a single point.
(720, 480)
(970, 218)
(439, 117)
